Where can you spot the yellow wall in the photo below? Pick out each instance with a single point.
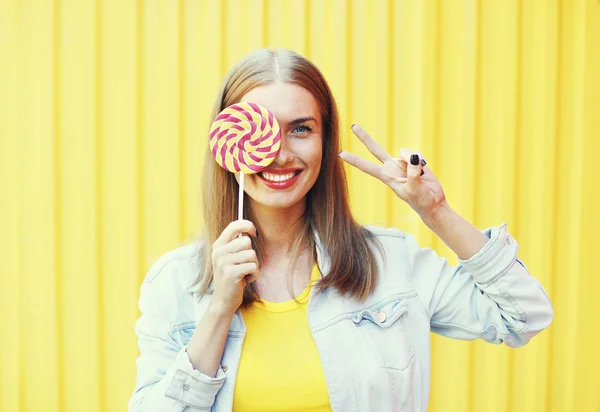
(104, 108)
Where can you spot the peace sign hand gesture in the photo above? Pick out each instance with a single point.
(407, 175)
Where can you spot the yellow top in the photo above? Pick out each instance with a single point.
(280, 368)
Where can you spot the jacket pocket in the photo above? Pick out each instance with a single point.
(385, 329)
(182, 333)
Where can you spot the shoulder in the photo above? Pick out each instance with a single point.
(381, 232)
(396, 249)
(166, 293)
(176, 267)
(389, 246)
(388, 238)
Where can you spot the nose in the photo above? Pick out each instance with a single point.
(284, 156)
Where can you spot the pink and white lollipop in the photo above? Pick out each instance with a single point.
(244, 138)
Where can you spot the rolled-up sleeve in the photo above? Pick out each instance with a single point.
(490, 295)
(166, 380)
(192, 388)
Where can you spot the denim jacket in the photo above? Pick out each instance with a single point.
(375, 354)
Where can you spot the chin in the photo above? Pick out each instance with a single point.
(278, 203)
(276, 199)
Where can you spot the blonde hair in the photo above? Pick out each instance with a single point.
(353, 269)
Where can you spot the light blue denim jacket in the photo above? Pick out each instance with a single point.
(375, 354)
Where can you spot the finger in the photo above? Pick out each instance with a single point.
(250, 268)
(240, 243)
(362, 164)
(422, 161)
(405, 155)
(371, 144)
(252, 276)
(424, 168)
(413, 173)
(245, 256)
(234, 229)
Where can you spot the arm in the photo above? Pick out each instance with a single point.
(171, 376)
(491, 295)
(166, 379)
(205, 349)
(459, 235)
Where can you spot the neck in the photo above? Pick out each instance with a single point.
(279, 228)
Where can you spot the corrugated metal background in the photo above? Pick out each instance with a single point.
(104, 109)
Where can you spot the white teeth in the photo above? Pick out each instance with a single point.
(273, 177)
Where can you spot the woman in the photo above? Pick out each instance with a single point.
(300, 308)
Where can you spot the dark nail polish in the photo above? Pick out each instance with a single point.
(340, 152)
(422, 172)
(352, 127)
(423, 162)
(414, 160)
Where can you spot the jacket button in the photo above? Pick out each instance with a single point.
(381, 317)
(186, 387)
(224, 368)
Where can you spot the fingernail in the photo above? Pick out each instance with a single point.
(352, 127)
(414, 160)
(423, 162)
(422, 172)
(340, 152)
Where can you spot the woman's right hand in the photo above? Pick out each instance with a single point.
(234, 264)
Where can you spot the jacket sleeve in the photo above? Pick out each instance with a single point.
(490, 296)
(166, 380)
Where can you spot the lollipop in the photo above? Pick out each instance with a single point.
(244, 138)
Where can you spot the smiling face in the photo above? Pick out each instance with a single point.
(294, 171)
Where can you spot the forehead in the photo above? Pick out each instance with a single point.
(286, 101)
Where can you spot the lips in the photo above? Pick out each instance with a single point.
(276, 177)
(279, 178)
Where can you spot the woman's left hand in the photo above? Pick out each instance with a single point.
(422, 192)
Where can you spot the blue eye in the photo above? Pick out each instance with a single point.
(302, 129)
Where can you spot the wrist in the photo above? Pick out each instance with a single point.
(440, 216)
(220, 310)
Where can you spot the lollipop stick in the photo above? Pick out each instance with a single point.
(241, 198)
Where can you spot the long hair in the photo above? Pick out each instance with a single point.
(353, 271)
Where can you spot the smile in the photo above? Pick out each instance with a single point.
(280, 180)
(276, 177)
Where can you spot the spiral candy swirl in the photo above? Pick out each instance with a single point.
(245, 137)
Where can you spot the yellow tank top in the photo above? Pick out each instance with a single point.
(280, 368)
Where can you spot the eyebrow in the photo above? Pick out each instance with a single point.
(302, 120)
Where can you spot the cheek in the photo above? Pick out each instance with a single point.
(314, 155)
(316, 161)
(313, 160)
